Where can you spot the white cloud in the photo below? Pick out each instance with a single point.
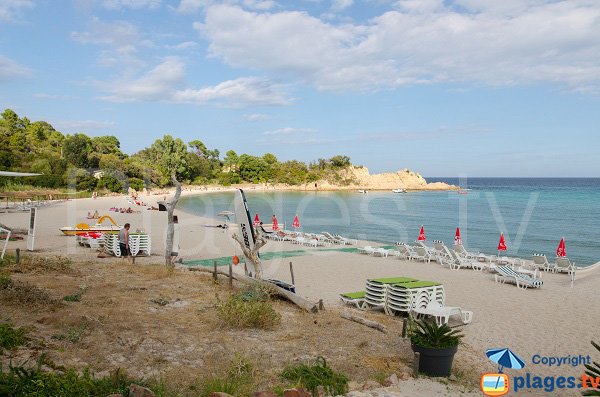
(119, 34)
(290, 131)
(158, 84)
(82, 125)
(259, 4)
(43, 95)
(257, 117)
(186, 45)
(134, 4)
(419, 42)
(239, 92)
(120, 41)
(165, 82)
(340, 5)
(11, 69)
(191, 6)
(10, 9)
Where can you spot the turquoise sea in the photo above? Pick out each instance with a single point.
(533, 214)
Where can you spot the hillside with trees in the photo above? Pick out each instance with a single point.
(89, 163)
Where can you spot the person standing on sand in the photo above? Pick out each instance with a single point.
(124, 243)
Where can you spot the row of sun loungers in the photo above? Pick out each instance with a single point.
(406, 295)
(460, 258)
(323, 239)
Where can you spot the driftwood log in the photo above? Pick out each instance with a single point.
(364, 321)
(294, 298)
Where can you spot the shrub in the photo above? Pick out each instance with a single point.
(40, 264)
(239, 313)
(10, 337)
(312, 375)
(21, 381)
(137, 184)
(237, 380)
(22, 293)
(76, 297)
(111, 183)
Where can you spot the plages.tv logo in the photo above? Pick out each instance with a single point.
(498, 384)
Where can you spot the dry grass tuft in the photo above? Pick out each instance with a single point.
(39, 264)
(22, 293)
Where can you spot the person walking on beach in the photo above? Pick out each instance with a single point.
(124, 243)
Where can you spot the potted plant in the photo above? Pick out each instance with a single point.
(436, 346)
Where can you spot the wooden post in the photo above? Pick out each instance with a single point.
(215, 271)
(230, 276)
(416, 365)
(404, 325)
(292, 273)
(18, 255)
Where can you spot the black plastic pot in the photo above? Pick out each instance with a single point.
(435, 362)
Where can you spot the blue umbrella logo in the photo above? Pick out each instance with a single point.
(505, 358)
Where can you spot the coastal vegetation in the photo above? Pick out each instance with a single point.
(164, 331)
(98, 163)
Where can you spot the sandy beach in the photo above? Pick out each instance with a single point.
(553, 321)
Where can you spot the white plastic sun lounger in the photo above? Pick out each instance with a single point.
(564, 265)
(506, 273)
(404, 251)
(365, 250)
(344, 240)
(541, 262)
(422, 254)
(442, 314)
(380, 252)
(354, 299)
(459, 262)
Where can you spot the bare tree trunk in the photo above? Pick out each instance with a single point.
(170, 225)
(252, 255)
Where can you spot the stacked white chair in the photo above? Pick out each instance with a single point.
(111, 244)
(140, 244)
(404, 297)
(377, 290)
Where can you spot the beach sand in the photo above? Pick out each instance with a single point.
(555, 320)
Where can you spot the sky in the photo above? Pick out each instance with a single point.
(443, 87)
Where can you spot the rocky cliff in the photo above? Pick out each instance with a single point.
(359, 178)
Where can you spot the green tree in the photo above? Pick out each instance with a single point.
(107, 144)
(171, 157)
(231, 159)
(76, 150)
(199, 147)
(340, 161)
(253, 169)
(270, 158)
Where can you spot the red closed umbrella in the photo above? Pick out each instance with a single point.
(256, 220)
(296, 223)
(275, 223)
(422, 234)
(562, 248)
(502, 243)
(457, 239)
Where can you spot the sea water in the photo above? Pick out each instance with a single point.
(533, 214)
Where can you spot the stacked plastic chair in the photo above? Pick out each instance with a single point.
(403, 297)
(111, 244)
(139, 244)
(377, 289)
